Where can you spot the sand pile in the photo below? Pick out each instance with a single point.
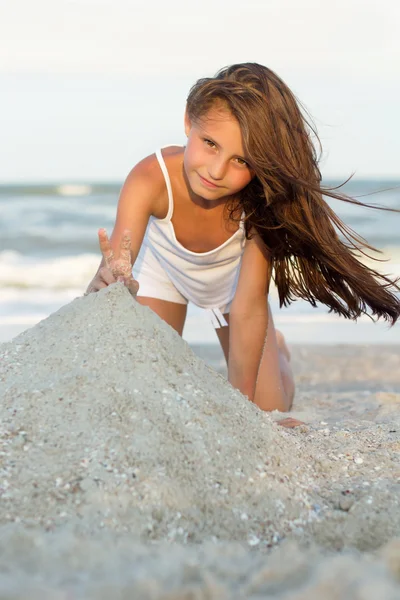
(129, 466)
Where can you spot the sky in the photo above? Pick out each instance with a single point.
(89, 87)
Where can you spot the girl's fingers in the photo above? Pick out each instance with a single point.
(132, 285)
(107, 276)
(105, 247)
(95, 286)
(290, 422)
(125, 247)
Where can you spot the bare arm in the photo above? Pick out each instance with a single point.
(137, 202)
(248, 318)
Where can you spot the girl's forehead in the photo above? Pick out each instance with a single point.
(217, 114)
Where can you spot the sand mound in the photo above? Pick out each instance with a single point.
(116, 439)
(64, 567)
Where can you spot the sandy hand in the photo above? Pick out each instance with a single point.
(121, 267)
(115, 269)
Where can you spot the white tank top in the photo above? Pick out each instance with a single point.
(208, 279)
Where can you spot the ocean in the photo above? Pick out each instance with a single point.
(49, 253)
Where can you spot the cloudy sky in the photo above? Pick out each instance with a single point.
(88, 87)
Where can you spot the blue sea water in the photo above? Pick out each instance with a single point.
(49, 252)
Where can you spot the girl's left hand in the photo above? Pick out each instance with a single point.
(290, 423)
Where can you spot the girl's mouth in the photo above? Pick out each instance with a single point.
(207, 183)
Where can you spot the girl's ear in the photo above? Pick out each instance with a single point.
(187, 122)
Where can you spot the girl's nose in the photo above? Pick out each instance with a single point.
(216, 170)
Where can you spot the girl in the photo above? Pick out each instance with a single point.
(213, 221)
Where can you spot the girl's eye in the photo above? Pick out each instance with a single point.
(211, 144)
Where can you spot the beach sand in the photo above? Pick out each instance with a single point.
(129, 468)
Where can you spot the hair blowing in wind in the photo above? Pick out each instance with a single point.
(313, 254)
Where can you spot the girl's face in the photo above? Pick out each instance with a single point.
(214, 159)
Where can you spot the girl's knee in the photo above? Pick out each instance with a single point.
(281, 342)
(287, 377)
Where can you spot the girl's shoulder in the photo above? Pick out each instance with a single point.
(170, 155)
(148, 172)
(173, 150)
(149, 164)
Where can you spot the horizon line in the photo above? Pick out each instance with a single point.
(112, 181)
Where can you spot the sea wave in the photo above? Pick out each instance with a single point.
(68, 188)
(19, 270)
(74, 189)
(62, 273)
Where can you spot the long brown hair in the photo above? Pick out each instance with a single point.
(284, 201)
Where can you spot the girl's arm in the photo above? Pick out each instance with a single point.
(138, 200)
(248, 318)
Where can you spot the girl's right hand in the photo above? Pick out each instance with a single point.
(115, 269)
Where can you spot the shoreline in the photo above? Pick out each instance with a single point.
(198, 331)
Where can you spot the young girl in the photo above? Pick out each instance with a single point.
(213, 221)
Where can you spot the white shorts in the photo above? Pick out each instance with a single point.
(155, 283)
(153, 280)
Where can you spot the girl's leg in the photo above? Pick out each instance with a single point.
(275, 383)
(275, 386)
(173, 313)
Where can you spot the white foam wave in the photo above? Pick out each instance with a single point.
(74, 272)
(74, 189)
(61, 273)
